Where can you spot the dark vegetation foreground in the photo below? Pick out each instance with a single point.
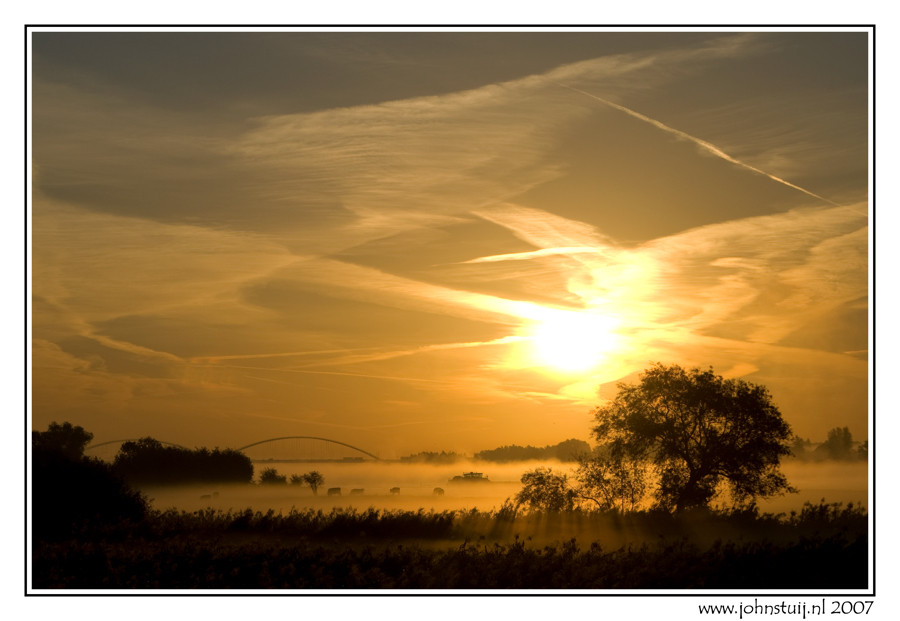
(822, 547)
(90, 529)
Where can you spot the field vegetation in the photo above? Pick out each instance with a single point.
(638, 513)
(822, 546)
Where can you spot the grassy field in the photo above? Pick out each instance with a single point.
(823, 546)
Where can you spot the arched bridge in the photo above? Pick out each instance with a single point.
(284, 448)
(305, 448)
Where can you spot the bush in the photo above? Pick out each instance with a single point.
(79, 496)
(270, 476)
(149, 462)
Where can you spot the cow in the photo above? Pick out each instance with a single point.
(334, 491)
(395, 490)
(438, 491)
(356, 492)
(205, 496)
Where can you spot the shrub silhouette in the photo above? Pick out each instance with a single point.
(270, 476)
(72, 494)
(149, 462)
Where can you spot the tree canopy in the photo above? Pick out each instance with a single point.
(839, 444)
(697, 432)
(314, 479)
(567, 450)
(148, 462)
(684, 436)
(270, 476)
(546, 490)
(65, 439)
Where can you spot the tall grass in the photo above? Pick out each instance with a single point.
(821, 546)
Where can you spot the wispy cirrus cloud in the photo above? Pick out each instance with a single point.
(327, 264)
(703, 144)
(731, 290)
(543, 252)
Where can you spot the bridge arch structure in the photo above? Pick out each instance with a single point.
(305, 448)
(284, 448)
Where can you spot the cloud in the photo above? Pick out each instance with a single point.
(103, 265)
(323, 265)
(722, 291)
(704, 145)
(411, 162)
(544, 252)
(543, 229)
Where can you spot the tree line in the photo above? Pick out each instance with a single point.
(314, 479)
(149, 462)
(71, 491)
(679, 438)
(838, 446)
(567, 451)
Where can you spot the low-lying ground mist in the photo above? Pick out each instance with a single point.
(416, 484)
(843, 482)
(281, 535)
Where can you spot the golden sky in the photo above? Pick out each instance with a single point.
(441, 241)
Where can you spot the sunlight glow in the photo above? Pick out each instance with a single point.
(571, 341)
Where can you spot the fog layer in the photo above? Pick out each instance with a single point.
(831, 481)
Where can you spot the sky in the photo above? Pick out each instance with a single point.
(414, 241)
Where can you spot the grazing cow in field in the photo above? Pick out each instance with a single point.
(438, 491)
(395, 490)
(334, 491)
(356, 492)
(205, 496)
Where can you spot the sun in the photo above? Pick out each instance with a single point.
(572, 341)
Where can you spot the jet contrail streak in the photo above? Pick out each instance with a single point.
(543, 252)
(702, 143)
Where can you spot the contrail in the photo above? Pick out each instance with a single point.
(702, 143)
(353, 355)
(543, 252)
(387, 355)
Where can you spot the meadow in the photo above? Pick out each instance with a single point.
(471, 538)
(820, 547)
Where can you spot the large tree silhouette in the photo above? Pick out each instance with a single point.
(698, 432)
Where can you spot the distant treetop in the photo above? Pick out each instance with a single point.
(567, 450)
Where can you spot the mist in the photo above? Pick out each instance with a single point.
(832, 481)
(417, 483)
